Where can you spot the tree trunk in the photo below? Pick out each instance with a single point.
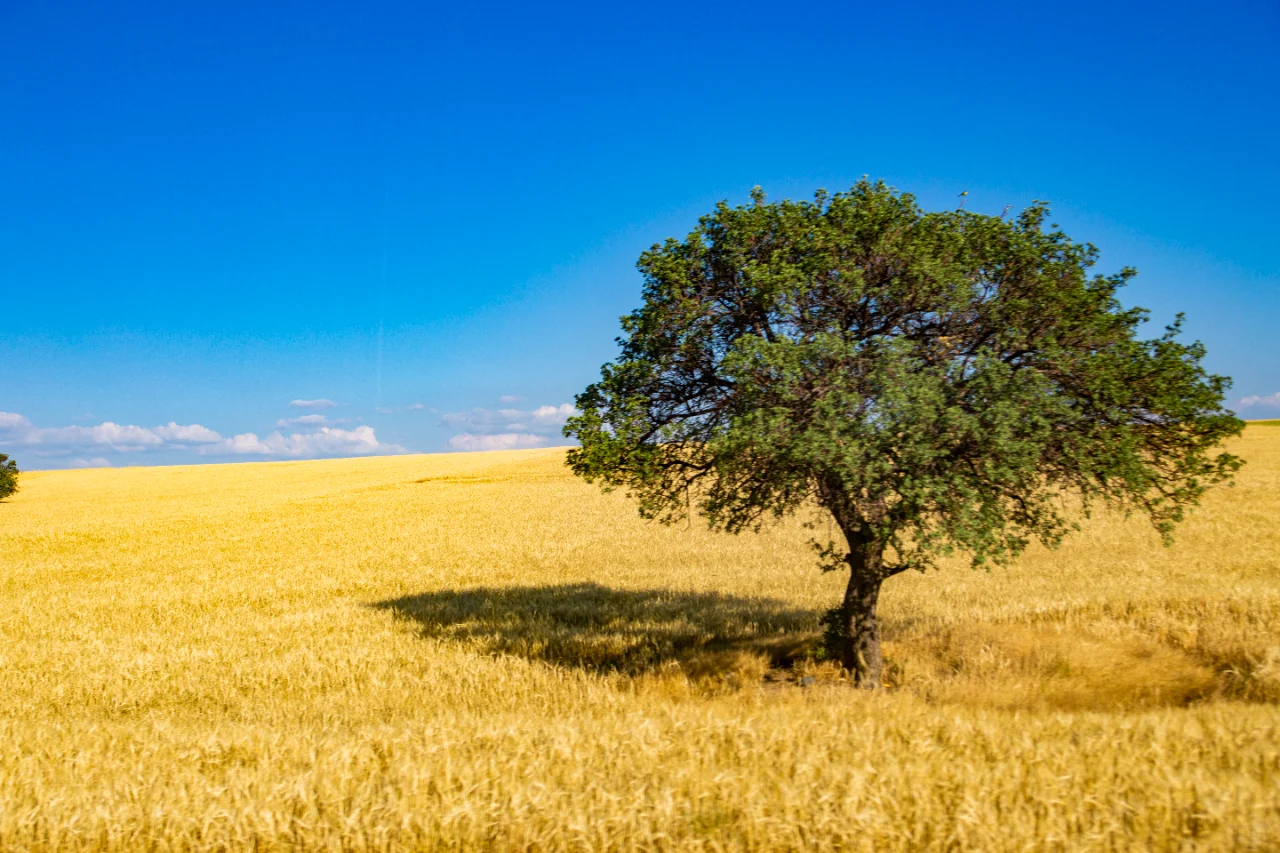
(861, 641)
(859, 626)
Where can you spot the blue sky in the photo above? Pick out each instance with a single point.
(257, 231)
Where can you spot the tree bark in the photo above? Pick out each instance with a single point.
(859, 625)
(860, 653)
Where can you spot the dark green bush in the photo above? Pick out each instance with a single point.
(8, 476)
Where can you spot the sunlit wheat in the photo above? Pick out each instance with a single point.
(479, 652)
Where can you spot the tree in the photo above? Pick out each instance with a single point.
(8, 476)
(936, 382)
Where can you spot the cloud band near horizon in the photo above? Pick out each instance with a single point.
(67, 443)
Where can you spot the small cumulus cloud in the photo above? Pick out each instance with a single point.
(95, 462)
(1270, 401)
(397, 410)
(190, 434)
(499, 441)
(507, 428)
(313, 404)
(302, 420)
(508, 399)
(553, 415)
(542, 419)
(361, 441)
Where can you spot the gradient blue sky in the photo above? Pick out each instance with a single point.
(429, 215)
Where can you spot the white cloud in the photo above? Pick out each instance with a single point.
(396, 410)
(553, 416)
(508, 399)
(107, 435)
(313, 404)
(360, 441)
(302, 420)
(501, 441)
(1271, 401)
(9, 420)
(95, 462)
(507, 429)
(542, 420)
(76, 443)
(191, 434)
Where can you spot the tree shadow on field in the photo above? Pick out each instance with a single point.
(596, 628)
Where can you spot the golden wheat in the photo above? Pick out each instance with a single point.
(479, 652)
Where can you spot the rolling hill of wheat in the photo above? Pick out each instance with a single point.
(476, 651)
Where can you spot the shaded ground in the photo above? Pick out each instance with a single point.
(1064, 661)
(602, 629)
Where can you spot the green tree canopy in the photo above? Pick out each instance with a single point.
(937, 382)
(8, 476)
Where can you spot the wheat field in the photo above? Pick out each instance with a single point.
(477, 652)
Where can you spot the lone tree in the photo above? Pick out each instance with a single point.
(8, 476)
(937, 382)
